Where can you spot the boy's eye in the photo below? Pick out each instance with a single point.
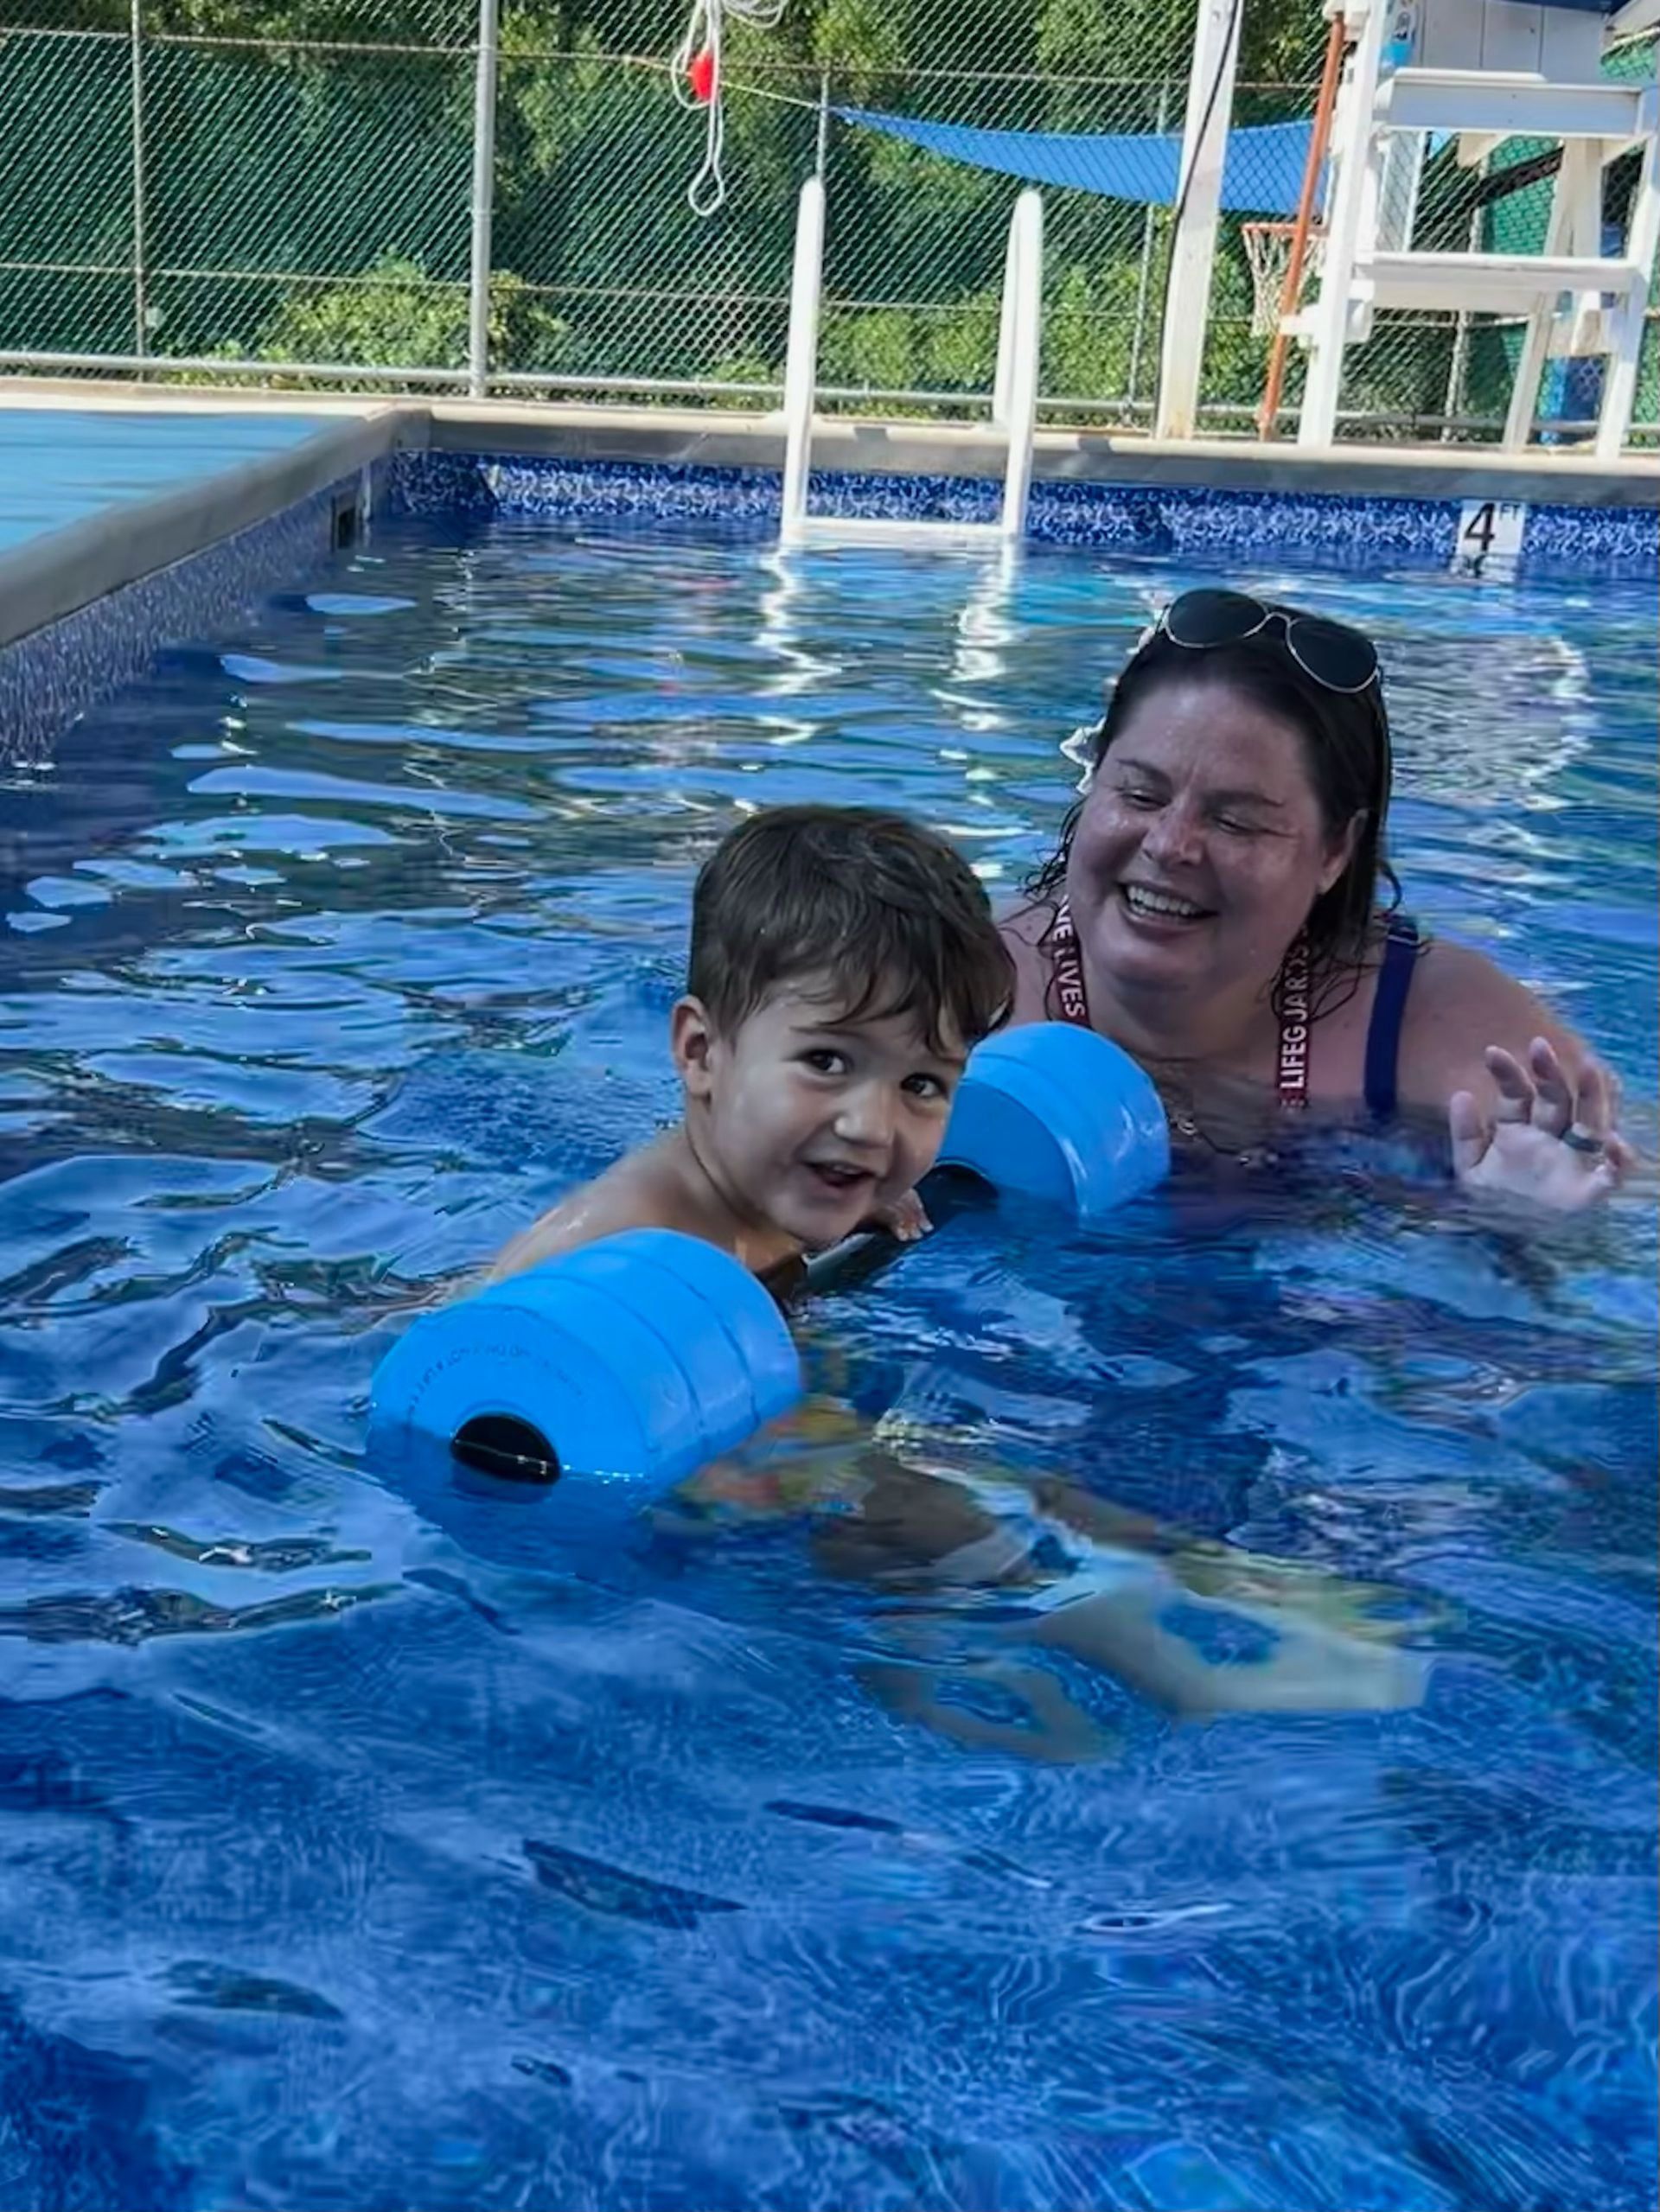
(926, 1087)
(824, 1062)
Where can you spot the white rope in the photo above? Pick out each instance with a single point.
(707, 190)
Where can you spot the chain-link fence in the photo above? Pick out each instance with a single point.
(189, 182)
(285, 190)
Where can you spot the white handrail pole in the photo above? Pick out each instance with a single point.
(801, 360)
(1642, 242)
(1579, 177)
(1025, 320)
(478, 281)
(1002, 382)
(1352, 154)
(140, 302)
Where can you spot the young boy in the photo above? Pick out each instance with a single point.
(844, 963)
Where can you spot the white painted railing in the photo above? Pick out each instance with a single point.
(1014, 392)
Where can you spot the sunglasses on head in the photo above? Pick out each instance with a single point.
(1334, 656)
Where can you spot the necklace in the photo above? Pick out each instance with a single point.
(1186, 1122)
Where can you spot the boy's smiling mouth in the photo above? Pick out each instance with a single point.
(842, 1176)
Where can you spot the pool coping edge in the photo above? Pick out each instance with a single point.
(57, 574)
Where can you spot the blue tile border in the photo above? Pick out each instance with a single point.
(56, 673)
(427, 483)
(1157, 520)
(1572, 536)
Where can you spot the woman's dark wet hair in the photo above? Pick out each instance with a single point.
(1345, 743)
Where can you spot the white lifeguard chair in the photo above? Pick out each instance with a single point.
(1015, 396)
(1483, 71)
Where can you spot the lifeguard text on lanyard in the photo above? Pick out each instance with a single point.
(1072, 1002)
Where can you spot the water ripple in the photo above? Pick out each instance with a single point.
(135, 1616)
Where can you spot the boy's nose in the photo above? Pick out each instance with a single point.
(866, 1117)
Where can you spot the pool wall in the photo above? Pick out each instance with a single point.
(83, 608)
(1157, 521)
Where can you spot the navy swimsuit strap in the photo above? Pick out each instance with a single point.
(1388, 1011)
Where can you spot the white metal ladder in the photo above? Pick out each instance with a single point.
(1014, 397)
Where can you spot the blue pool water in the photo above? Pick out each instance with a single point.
(362, 1848)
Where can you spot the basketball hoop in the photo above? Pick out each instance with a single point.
(1267, 247)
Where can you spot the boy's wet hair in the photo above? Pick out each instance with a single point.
(888, 913)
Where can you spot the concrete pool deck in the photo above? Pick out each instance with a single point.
(171, 483)
(82, 462)
(155, 476)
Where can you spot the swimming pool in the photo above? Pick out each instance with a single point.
(352, 1862)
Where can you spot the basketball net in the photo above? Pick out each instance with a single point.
(696, 76)
(1267, 247)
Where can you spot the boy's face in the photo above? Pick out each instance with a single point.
(805, 1120)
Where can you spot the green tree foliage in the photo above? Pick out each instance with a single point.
(397, 318)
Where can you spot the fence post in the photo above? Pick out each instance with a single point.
(1193, 251)
(1457, 367)
(478, 318)
(1149, 236)
(1017, 374)
(140, 300)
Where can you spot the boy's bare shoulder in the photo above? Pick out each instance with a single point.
(642, 1191)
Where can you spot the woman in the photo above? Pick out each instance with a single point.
(1220, 906)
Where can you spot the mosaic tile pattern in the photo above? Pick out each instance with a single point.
(1176, 520)
(1162, 521)
(1579, 537)
(49, 678)
(425, 483)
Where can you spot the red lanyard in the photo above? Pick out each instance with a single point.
(1073, 1002)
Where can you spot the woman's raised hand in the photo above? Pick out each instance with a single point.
(1551, 1139)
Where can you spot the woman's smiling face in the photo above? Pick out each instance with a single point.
(1200, 846)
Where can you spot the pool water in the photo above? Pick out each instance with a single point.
(369, 1846)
